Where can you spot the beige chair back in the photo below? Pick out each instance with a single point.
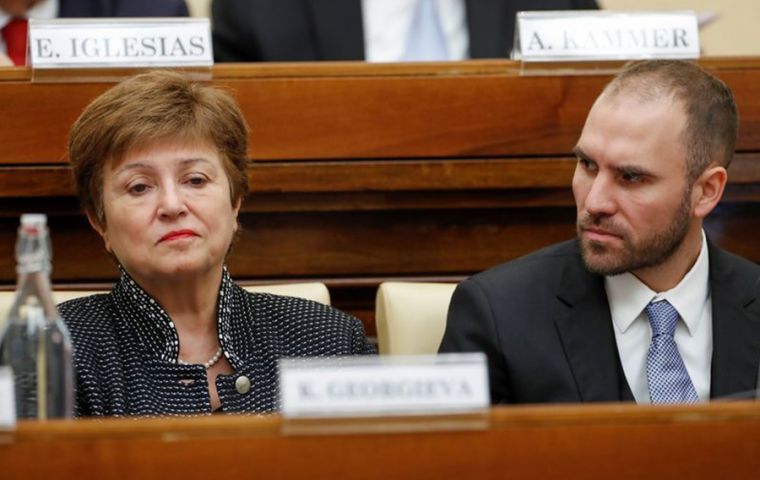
(310, 290)
(315, 291)
(6, 299)
(411, 317)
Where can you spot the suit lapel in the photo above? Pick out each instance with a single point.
(585, 327)
(734, 288)
(338, 28)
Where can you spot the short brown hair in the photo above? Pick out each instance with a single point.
(148, 108)
(712, 120)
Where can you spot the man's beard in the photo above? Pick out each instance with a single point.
(650, 252)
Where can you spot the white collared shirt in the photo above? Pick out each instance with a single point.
(45, 9)
(628, 297)
(387, 22)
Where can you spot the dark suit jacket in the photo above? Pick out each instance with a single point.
(122, 8)
(544, 323)
(306, 30)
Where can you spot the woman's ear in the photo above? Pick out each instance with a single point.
(708, 190)
(236, 211)
(95, 224)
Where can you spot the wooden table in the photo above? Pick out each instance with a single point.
(611, 441)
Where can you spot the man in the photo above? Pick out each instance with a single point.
(14, 13)
(373, 30)
(574, 322)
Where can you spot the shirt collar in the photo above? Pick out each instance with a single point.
(156, 329)
(628, 296)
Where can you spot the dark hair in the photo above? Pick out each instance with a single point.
(149, 108)
(712, 121)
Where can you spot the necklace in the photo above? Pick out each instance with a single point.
(211, 362)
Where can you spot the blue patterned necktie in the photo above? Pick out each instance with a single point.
(425, 40)
(667, 377)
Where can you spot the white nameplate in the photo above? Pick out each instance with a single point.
(120, 43)
(605, 35)
(383, 385)
(7, 399)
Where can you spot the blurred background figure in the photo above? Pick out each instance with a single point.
(372, 30)
(15, 13)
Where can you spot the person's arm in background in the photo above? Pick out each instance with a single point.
(230, 42)
(180, 9)
(470, 327)
(585, 4)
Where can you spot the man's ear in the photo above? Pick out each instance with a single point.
(708, 190)
(95, 224)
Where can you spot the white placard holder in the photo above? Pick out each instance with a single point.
(602, 40)
(7, 400)
(70, 50)
(419, 392)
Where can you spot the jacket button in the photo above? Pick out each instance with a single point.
(242, 385)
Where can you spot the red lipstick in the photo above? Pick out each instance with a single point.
(177, 234)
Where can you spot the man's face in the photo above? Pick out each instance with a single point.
(630, 183)
(17, 8)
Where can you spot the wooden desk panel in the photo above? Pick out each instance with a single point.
(358, 111)
(362, 173)
(589, 442)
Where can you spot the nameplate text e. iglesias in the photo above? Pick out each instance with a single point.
(104, 43)
(94, 47)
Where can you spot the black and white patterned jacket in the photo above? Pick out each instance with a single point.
(126, 349)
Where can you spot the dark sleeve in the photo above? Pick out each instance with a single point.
(77, 315)
(82, 407)
(122, 8)
(360, 345)
(470, 327)
(585, 5)
(181, 9)
(149, 8)
(231, 39)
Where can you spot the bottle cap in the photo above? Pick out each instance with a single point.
(33, 220)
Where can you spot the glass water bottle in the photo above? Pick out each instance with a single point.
(35, 343)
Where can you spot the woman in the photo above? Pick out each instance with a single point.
(160, 167)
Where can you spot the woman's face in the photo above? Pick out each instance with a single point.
(168, 212)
